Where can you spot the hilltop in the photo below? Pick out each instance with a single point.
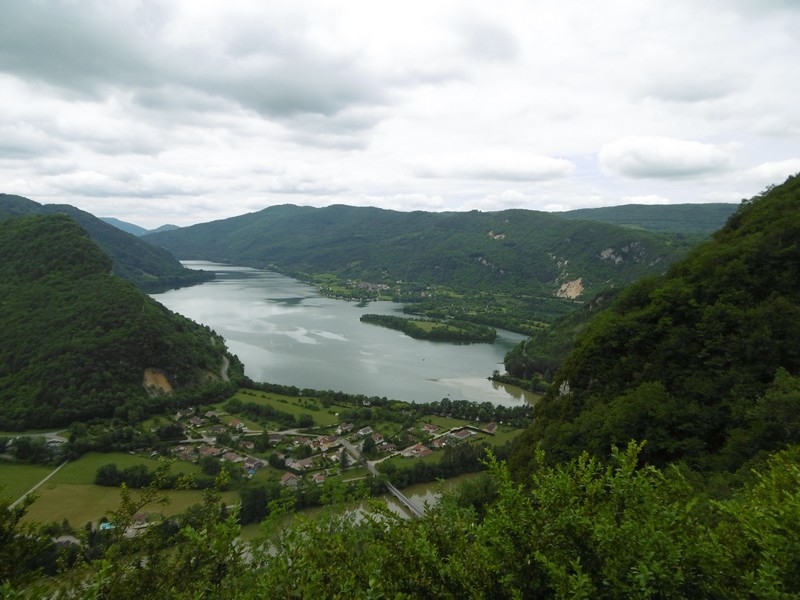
(77, 342)
(148, 267)
(702, 362)
(516, 252)
(685, 219)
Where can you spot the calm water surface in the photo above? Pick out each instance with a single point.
(285, 332)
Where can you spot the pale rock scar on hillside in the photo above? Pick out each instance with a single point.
(155, 382)
(571, 289)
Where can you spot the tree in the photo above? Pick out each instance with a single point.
(368, 446)
(23, 546)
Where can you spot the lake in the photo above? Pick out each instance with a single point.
(285, 332)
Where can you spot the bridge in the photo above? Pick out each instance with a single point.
(412, 508)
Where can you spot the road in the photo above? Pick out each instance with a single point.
(415, 510)
(34, 488)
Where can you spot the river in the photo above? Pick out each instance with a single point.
(285, 332)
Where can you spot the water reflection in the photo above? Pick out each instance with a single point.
(286, 333)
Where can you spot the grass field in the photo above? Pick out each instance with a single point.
(324, 417)
(16, 479)
(81, 503)
(83, 470)
(445, 423)
(71, 493)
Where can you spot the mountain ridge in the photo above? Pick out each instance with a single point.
(78, 343)
(514, 251)
(702, 362)
(147, 266)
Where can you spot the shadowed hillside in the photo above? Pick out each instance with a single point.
(513, 251)
(703, 363)
(148, 267)
(77, 342)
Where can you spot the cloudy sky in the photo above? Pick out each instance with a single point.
(187, 111)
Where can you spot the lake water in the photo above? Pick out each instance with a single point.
(285, 332)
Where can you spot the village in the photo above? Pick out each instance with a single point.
(311, 454)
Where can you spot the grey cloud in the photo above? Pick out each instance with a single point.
(126, 185)
(86, 48)
(654, 157)
(495, 166)
(20, 141)
(486, 40)
(698, 86)
(345, 130)
(76, 47)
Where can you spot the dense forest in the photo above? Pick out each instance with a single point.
(434, 330)
(148, 267)
(692, 219)
(703, 363)
(75, 340)
(520, 252)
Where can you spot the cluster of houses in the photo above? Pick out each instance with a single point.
(322, 450)
(441, 441)
(194, 452)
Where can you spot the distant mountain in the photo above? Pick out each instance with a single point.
(698, 219)
(77, 343)
(703, 363)
(125, 226)
(149, 267)
(512, 251)
(166, 227)
(135, 229)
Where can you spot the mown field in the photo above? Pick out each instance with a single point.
(296, 406)
(71, 493)
(18, 478)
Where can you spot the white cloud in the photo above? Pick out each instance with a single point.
(499, 165)
(209, 110)
(660, 157)
(649, 199)
(772, 173)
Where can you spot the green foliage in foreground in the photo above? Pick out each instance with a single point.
(438, 331)
(580, 530)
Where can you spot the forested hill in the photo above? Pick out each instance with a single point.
(698, 219)
(135, 229)
(703, 363)
(514, 251)
(76, 342)
(149, 267)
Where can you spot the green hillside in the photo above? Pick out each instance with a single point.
(75, 341)
(513, 251)
(694, 219)
(135, 229)
(703, 363)
(124, 226)
(543, 352)
(148, 267)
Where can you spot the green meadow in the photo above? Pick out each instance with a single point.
(18, 478)
(297, 406)
(71, 493)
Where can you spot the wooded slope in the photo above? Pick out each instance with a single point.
(703, 363)
(514, 251)
(148, 267)
(75, 340)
